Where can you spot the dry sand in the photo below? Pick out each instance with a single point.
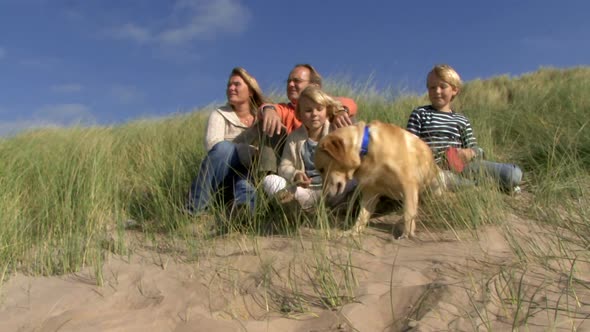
(433, 283)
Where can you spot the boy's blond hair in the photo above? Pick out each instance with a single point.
(447, 74)
(318, 96)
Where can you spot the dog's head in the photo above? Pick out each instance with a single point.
(337, 158)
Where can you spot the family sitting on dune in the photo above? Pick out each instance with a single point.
(251, 140)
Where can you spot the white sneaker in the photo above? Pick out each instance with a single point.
(516, 190)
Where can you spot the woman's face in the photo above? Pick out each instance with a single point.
(237, 91)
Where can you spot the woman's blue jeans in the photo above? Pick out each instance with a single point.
(221, 172)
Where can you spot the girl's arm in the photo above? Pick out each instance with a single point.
(287, 167)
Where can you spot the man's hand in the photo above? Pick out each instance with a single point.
(271, 121)
(301, 180)
(342, 119)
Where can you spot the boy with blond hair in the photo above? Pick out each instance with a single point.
(450, 136)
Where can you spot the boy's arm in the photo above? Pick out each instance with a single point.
(469, 142)
(414, 123)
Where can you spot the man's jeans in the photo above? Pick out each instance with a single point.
(220, 172)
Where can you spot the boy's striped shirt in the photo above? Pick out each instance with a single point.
(441, 130)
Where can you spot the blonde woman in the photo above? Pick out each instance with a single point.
(225, 168)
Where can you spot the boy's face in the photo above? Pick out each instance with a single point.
(440, 93)
(312, 115)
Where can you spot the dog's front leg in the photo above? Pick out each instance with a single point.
(367, 207)
(410, 211)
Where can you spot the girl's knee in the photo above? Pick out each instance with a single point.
(273, 184)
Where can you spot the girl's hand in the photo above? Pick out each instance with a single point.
(302, 180)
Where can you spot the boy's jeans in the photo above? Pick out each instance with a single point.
(222, 170)
(507, 176)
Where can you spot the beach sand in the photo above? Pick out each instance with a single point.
(440, 281)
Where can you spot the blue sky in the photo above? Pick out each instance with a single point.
(111, 61)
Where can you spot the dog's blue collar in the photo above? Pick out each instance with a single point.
(365, 143)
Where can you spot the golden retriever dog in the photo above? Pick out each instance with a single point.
(385, 160)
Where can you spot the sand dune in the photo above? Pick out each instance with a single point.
(433, 283)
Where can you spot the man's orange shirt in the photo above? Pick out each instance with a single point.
(287, 112)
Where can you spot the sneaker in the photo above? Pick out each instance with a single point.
(284, 196)
(516, 190)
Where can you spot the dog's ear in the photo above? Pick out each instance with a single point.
(334, 146)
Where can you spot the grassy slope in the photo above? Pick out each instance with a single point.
(66, 193)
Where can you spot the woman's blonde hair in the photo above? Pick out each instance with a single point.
(447, 74)
(317, 95)
(257, 99)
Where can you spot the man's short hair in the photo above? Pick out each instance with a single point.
(314, 76)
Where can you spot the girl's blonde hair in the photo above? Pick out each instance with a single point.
(447, 74)
(257, 99)
(315, 94)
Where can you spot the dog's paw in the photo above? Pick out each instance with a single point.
(401, 237)
(405, 236)
(350, 233)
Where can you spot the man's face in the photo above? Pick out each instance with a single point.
(297, 81)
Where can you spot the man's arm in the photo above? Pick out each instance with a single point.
(343, 117)
(272, 117)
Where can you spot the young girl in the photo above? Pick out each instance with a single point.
(450, 136)
(297, 177)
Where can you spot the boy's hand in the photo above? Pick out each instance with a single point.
(454, 161)
(458, 158)
(466, 154)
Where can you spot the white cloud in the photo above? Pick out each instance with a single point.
(65, 115)
(126, 94)
(132, 32)
(66, 88)
(39, 63)
(61, 115)
(190, 20)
